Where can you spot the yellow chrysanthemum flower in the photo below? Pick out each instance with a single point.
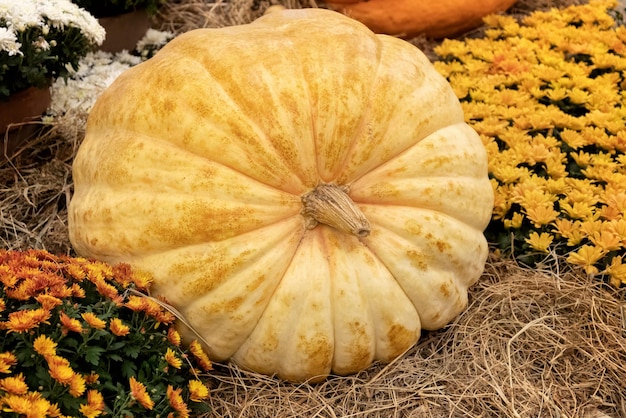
(77, 385)
(31, 404)
(540, 242)
(586, 257)
(197, 391)
(172, 359)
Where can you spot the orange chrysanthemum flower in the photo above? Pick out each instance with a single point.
(136, 303)
(177, 402)
(151, 307)
(45, 346)
(17, 404)
(48, 302)
(14, 384)
(118, 328)
(173, 336)
(92, 378)
(201, 358)
(89, 411)
(142, 280)
(95, 399)
(77, 385)
(197, 391)
(94, 321)
(31, 405)
(60, 369)
(94, 406)
(106, 289)
(7, 359)
(27, 319)
(140, 394)
(69, 324)
(77, 291)
(125, 276)
(74, 270)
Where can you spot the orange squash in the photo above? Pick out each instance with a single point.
(408, 18)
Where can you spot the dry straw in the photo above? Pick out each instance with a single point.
(542, 342)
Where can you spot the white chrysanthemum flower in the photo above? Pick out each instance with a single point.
(8, 42)
(20, 15)
(154, 37)
(41, 43)
(73, 98)
(51, 13)
(152, 41)
(61, 13)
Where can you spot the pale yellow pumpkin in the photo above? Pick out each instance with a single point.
(305, 192)
(409, 18)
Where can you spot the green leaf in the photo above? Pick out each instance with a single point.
(133, 351)
(129, 369)
(115, 357)
(92, 355)
(117, 345)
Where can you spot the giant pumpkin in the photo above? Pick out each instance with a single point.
(305, 192)
(408, 18)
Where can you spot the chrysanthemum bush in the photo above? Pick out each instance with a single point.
(80, 338)
(547, 97)
(41, 40)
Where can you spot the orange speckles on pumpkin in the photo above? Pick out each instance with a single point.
(444, 288)
(317, 351)
(359, 348)
(270, 342)
(227, 306)
(413, 227)
(255, 284)
(418, 259)
(442, 246)
(400, 338)
(217, 267)
(198, 220)
(384, 190)
(434, 318)
(167, 106)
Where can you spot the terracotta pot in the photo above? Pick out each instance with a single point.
(15, 114)
(124, 31)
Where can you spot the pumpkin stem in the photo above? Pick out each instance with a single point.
(330, 204)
